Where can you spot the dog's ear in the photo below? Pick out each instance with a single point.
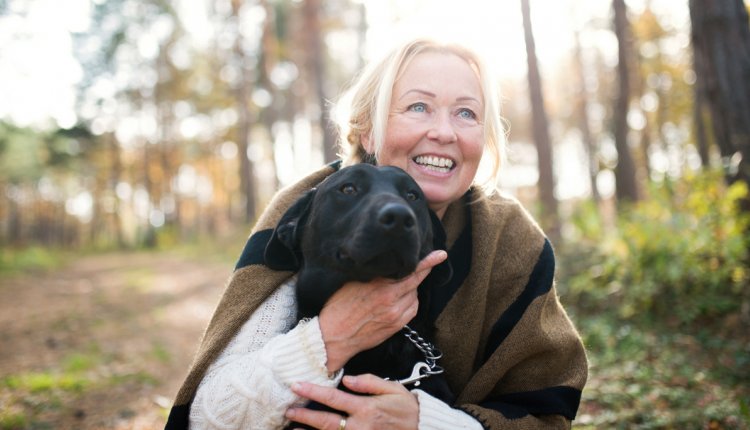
(283, 251)
(442, 273)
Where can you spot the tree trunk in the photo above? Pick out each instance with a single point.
(316, 65)
(149, 239)
(540, 131)
(626, 186)
(721, 43)
(240, 93)
(583, 118)
(114, 179)
(268, 58)
(699, 109)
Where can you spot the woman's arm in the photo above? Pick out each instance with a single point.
(434, 414)
(248, 384)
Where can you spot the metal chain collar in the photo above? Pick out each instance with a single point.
(424, 369)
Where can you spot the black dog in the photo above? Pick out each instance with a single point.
(361, 223)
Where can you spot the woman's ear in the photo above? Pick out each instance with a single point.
(366, 143)
(368, 151)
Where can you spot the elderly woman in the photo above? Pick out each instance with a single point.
(511, 355)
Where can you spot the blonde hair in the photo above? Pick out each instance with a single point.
(363, 109)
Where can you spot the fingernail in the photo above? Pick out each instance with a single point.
(295, 386)
(290, 414)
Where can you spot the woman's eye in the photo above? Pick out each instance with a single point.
(467, 114)
(348, 189)
(418, 107)
(412, 196)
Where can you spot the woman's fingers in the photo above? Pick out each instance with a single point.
(328, 396)
(431, 260)
(371, 384)
(316, 419)
(376, 404)
(423, 269)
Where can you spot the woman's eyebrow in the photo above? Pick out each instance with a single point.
(468, 99)
(417, 90)
(433, 95)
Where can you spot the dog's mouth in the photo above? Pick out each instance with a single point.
(386, 264)
(437, 164)
(343, 257)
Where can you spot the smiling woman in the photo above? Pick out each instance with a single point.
(511, 355)
(447, 110)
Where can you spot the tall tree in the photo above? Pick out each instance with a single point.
(316, 65)
(241, 93)
(699, 118)
(540, 130)
(583, 119)
(625, 177)
(721, 44)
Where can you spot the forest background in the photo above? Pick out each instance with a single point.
(140, 139)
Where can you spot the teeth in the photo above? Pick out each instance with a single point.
(434, 163)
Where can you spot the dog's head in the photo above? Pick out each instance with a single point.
(362, 222)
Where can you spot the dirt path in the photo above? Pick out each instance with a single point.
(104, 342)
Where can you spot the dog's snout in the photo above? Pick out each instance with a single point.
(394, 216)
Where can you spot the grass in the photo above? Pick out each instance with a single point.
(34, 258)
(26, 396)
(653, 376)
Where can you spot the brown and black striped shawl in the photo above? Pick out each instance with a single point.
(510, 351)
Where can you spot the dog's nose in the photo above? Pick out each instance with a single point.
(394, 216)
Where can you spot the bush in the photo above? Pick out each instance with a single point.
(680, 255)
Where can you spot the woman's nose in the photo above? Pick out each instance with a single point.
(442, 129)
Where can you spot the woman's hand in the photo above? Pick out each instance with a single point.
(362, 315)
(384, 405)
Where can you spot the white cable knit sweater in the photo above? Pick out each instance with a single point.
(247, 387)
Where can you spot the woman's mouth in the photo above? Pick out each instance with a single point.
(437, 164)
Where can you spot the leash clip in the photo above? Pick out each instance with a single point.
(420, 371)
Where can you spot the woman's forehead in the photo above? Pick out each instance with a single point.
(433, 73)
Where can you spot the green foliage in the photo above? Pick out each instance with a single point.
(38, 382)
(27, 396)
(646, 377)
(681, 255)
(660, 297)
(32, 258)
(23, 154)
(11, 419)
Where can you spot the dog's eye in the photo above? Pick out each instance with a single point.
(348, 189)
(412, 195)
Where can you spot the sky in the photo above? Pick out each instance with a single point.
(38, 71)
(37, 68)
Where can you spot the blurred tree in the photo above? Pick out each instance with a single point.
(21, 168)
(269, 58)
(130, 75)
(540, 129)
(243, 84)
(721, 44)
(625, 175)
(583, 118)
(316, 66)
(663, 86)
(700, 117)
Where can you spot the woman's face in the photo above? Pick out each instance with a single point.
(435, 127)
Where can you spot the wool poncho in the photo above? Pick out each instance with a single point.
(510, 352)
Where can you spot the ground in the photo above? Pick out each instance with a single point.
(104, 342)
